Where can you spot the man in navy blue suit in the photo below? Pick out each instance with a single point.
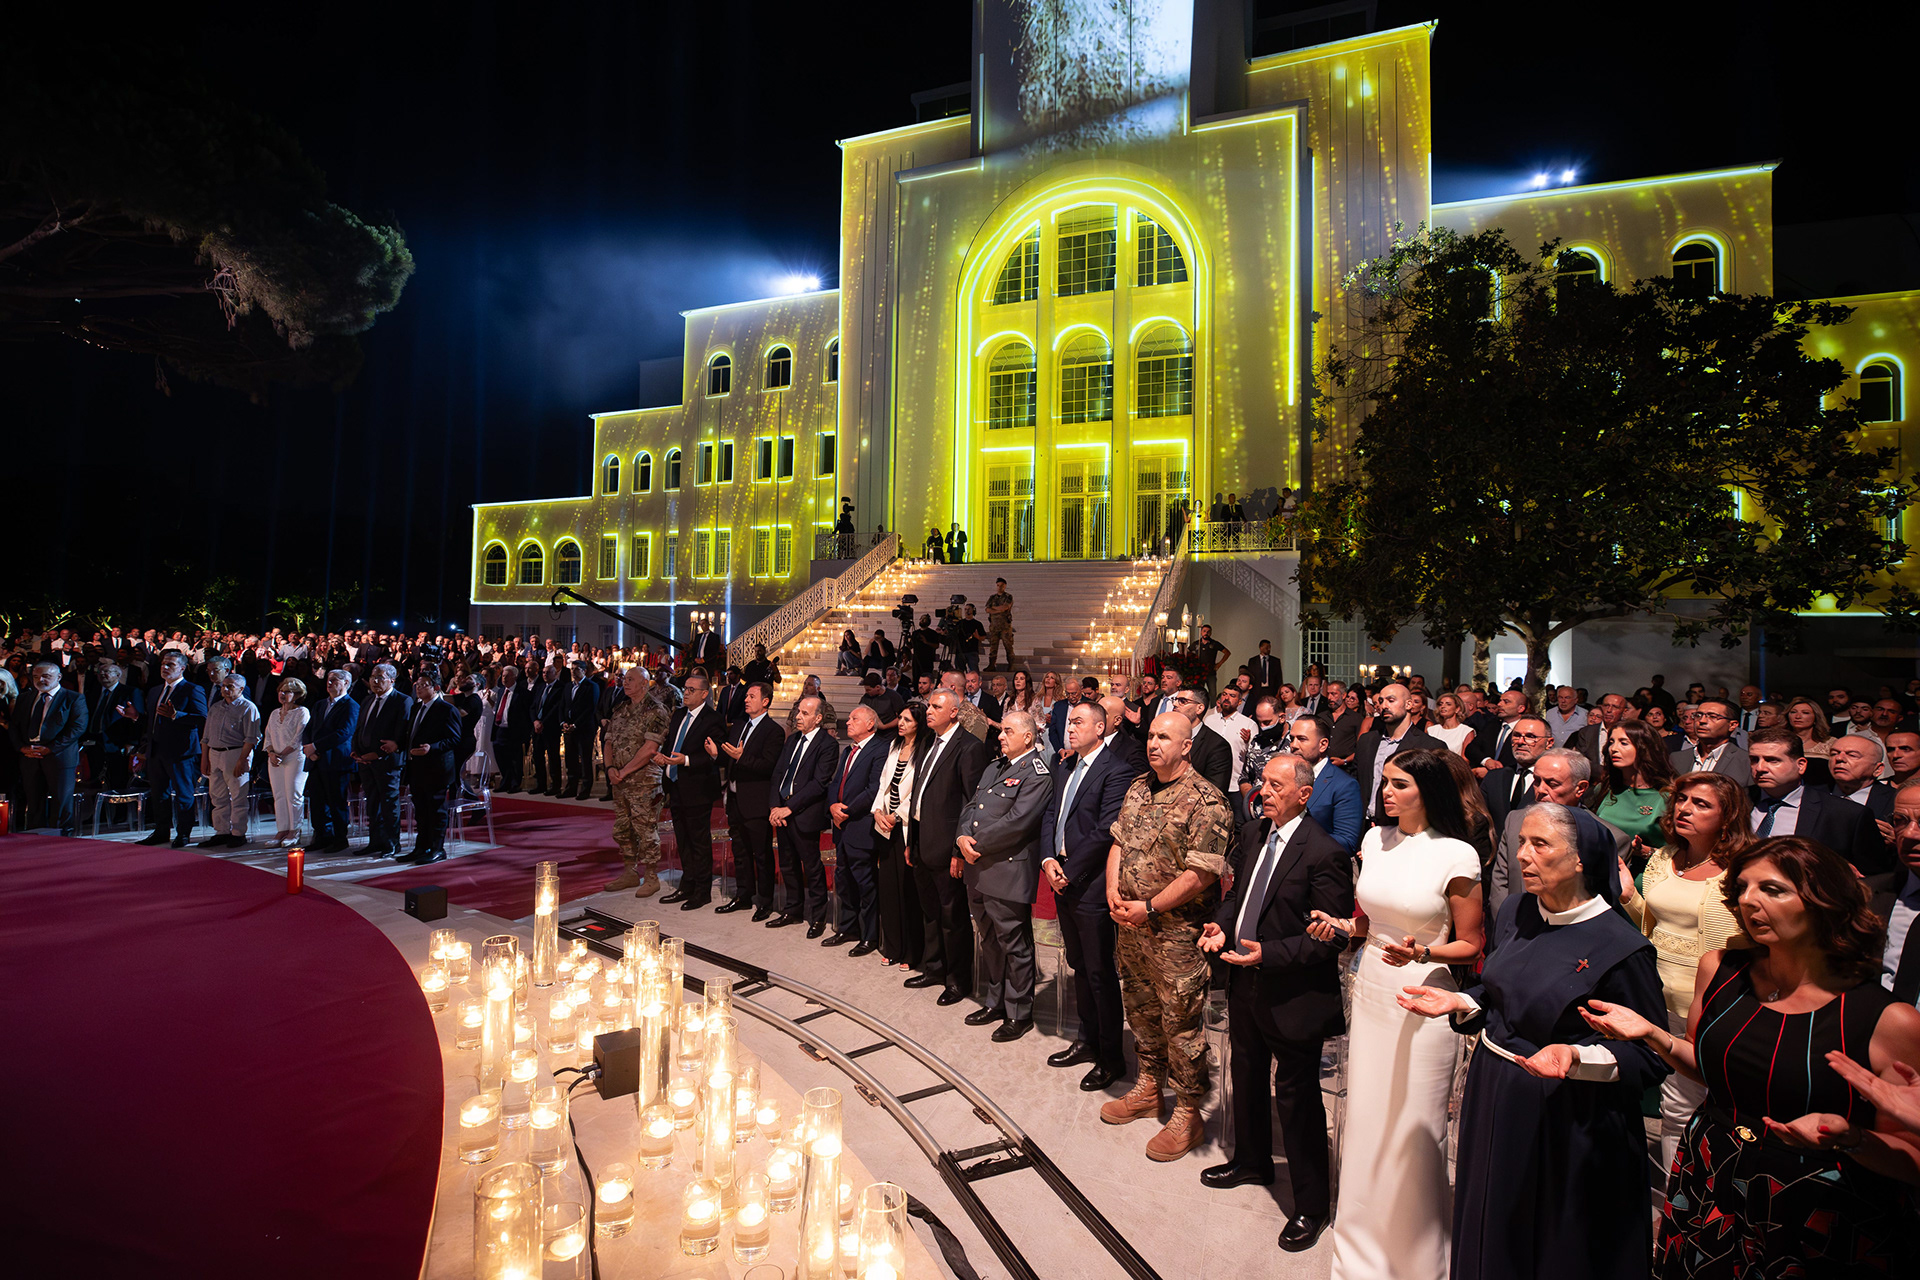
(1338, 804)
(433, 734)
(799, 814)
(1076, 834)
(380, 748)
(856, 781)
(173, 751)
(327, 742)
(49, 722)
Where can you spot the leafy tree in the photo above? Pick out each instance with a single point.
(1537, 454)
(302, 611)
(140, 211)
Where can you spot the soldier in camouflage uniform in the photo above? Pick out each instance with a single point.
(634, 735)
(1169, 850)
(999, 624)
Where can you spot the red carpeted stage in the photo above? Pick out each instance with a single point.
(209, 1077)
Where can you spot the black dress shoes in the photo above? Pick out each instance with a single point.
(1073, 1055)
(1102, 1075)
(1302, 1230)
(1235, 1174)
(178, 842)
(338, 846)
(834, 939)
(694, 904)
(951, 996)
(921, 980)
(381, 850)
(421, 858)
(815, 930)
(211, 842)
(157, 837)
(981, 1017)
(1012, 1029)
(733, 904)
(678, 895)
(862, 949)
(761, 913)
(782, 921)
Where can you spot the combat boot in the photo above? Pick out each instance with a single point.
(625, 880)
(1183, 1132)
(1141, 1100)
(649, 885)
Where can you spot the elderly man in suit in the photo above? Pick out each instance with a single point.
(1076, 834)
(49, 722)
(802, 779)
(549, 703)
(1493, 747)
(998, 838)
(1855, 761)
(1283, 991)
(173, 751)
(579, 717)
(327, 743)
(690, 777)
(749, 751)
(433, 734)
(1590, 740)
(1394, 731)
(1561, 775)
(1783, 805)
(856, 783)
(1128, 746)
(379, 748)
(1896, 899)
(943, 782)
(1714, 749)
(512, 727)
(1511, 788)
(113, 726)
(1336, 804)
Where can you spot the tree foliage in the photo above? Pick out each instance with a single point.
(140, 211)
(1537, 454)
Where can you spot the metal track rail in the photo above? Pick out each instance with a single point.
(959, 1168)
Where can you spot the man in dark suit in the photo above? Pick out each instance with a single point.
(379, 748)
(1076, 835)
(1211, 758)
(1128, 747)
(979, 697)
(690, 777)
(1896, 900)
(1783, 805)
(433, 737)
(1590, 740)
(1714, 749)
(942, 785)
(512, 727)
(1511, 788)
(1337, 804)
(327, 742)
(802, 779)
(1394, 731)
(1265, 670)
(549, 701)
(1283, 992)
(579, 717)
(173, 751)
(732, 695)
(709, 652)
(856, 781)
(49, 722)
(1496, 744)
(1855, 761)
(750, 756)
(113, 728)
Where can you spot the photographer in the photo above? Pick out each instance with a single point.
(964, 634)
(926, 647)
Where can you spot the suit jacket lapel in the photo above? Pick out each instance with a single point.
(1289, 860)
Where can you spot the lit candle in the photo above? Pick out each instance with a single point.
(615, 1214)
(767, 1117)
(783, 1177)
(548, 1117)
(656, 1136)
(524, 1028)
(523, 1065)
(560, 1032)
(469, 1018)
(700, 1217)
(479, 1127)
(433, 981)
(567, 1246)
(683, 1096)
(752, 1225)
(880, 1271)
(459, 961)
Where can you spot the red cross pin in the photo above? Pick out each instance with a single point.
(1582, 965)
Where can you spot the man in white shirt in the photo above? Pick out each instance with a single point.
(1237, 729)
(1565, 717)
(1896, 899)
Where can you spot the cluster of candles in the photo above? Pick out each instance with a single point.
(699, 1103)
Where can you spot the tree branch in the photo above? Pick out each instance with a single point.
(49, 226)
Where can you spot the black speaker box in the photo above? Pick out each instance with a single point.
(429, 902)
(617, 1054)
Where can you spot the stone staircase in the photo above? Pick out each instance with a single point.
(1072, 617)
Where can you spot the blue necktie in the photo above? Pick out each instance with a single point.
(1066, 803)
(1257, 888)
(679, 740)
(1769, 806)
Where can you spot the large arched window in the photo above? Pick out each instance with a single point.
(673, 470)
(1087, 249)
(719, 375)
(533, 564)
(1011, 387)
(1086, 379)
(1880, 392)
(493, 566)
(833, 361)
(1163, 381)
(1020, 276)
(1158, 260)
(1576, 267)
(1696, 266)
(566, 563)
(643, 473)
(610, 474)
(779, 368)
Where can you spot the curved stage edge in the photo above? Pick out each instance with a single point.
(209, 1077)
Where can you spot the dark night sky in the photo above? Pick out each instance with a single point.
(570, 177)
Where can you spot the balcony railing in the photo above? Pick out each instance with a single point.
(844, 546)
(1240, 535)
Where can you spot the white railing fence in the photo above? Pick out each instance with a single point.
(793, 617)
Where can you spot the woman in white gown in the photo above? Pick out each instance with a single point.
(1419, 892)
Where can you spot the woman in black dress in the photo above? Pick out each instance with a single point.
(1786, 1170)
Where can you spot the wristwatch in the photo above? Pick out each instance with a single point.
(1152, 911)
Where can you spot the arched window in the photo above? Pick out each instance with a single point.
(610, 475)
(1696, 266)
(1163, 381)
(673, 470)
(1086, 379)
(1159, 260)
(643, 473)
(779, 368)
(533, 565)
(833, 361)
(1011, 387)
(566, 563)
(1088, 243)
(719, 375)
(1576, 267)
(493, 566)
(1880, 392)
(1020, 276)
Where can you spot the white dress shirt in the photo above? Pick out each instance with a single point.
(939, 748)
(1786, 814)
(1900, 928)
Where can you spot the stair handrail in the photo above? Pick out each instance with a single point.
(797, 614)
(1170, 588)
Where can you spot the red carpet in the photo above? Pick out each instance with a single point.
(210, 1078)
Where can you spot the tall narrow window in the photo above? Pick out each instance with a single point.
(827, 458)
(643, 473)
(763, 459)
(532, 564)
(1088, 240)
(1163, 385)
(1880, 393)
(1011, 387)
(609, 556)
(1576, 267)
(779, 368)
(724, 472)
(1696, 266)
(782, 551)
(567, 563)
(1086, 379)
(760, 559)
(702, 553)
(493, 566)
(719, 375)
(706, 464)
(786, 458)
(670, 560)
(833, 361)
(1159, 260)
(722, 553)
(610, 475)
(640, 557)
(1020, 277)
(673, 470)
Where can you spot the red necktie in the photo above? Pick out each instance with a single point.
(851, 753)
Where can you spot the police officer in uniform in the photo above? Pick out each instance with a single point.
(634, 734)
(999, 623)
(1169, 850)
(999, 837)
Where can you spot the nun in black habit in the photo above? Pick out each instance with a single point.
(1552, 1178)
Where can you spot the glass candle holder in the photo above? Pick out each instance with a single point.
(613, 1215)
(523, 1065)
(684, 1098)
(640, 946)
(849, 1251)
(656, 1135)
(496, 1035)
(525, 1029)
(433, 984)
(746, 1101)
(691, 1053)
(587, 968)
(437, 943)
(820, 1186)
(783, 1175)
(882, 1233)
(548, 1140)
(767, 1119)
(479, 1126)
(700, 1214)
(496, 960)
(546, 921)
(522, 981)
(563, 1233)
(716, 1128)
(459, 962)
(673, 961)
(563, 968)
(560, 1027)
(469, 1019)
(656, 1040)
(847, 1203)
(752, 1218)
(506, 1223)
(718, 997)
(580, 993)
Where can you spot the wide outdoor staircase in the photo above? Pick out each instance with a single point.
(1072, 617)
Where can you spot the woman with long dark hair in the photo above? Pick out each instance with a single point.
(900, 931)
(1419, 889)
(1631, 794)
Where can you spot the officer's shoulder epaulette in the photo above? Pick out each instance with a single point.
(1039, 765)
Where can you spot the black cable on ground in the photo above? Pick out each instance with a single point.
(586, 1174)
(950, 1247)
